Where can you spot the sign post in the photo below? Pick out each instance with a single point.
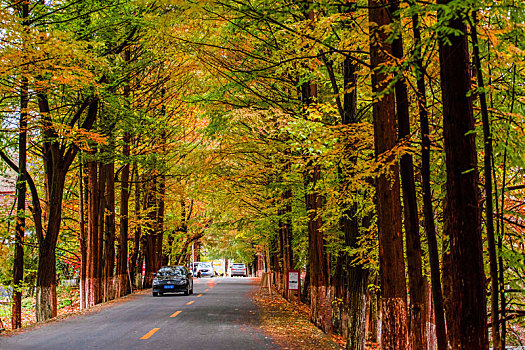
(294, 281)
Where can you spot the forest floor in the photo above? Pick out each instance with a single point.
(289, 325)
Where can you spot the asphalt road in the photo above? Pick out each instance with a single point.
(219, 315)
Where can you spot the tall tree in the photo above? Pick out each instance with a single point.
(489, 208)
(394, 329)
(320, 305)
(428, 211)
(123, 285)
(21, 188)
(357, 275)
(416, 282)
(466, 297)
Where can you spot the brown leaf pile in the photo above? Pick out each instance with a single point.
(287, 323)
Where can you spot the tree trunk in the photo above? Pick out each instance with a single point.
(394, 327)
(160, 219)
(83, 240)
(319, 283)
(151, 236)
(133, 259)
(21, 189)
(356, 278)
(109, 232)
(287, 234)
(373, 316)
(416, 282)
(57, 160)
(489, 210)
(92, 255)
(122, 257)
(466, 300)
(46, 297)
(46, 292)
(320, 294)
(428, 211)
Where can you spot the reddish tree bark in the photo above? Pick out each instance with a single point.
(82, 238)
(428, 211)
(394, 329)
(416, 281)
(489, 208)
(123, 285)
(109, 231)
(466, 298)
(319, 282)
(92, 246)
(101, 207)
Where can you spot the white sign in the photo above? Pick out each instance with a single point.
(293, 280)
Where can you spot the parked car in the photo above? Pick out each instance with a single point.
(172, 279)
(238, 269)
(205, 269)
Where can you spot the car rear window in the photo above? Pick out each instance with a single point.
(238, 266)
(205, 265)
(172, 271)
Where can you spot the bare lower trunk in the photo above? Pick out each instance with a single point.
(394, 322)
(46, 292)
(356, 311)
(373, 317)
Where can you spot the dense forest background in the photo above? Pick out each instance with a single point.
(377, 145)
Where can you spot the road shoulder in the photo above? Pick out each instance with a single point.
(288, 325)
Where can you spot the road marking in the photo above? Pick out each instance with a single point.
(149, 334)
(176, 313)
(206, 290)
(200, 295)
(190, 302)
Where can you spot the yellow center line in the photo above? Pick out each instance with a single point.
(200, 295)
(149, 334)
(176, 313)
(190, 302)
(206, 290)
